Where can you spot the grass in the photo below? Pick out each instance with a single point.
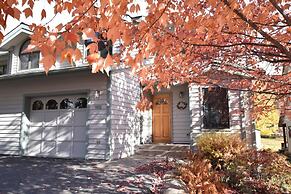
(272, 143)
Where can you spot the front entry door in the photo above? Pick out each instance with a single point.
(162, 119)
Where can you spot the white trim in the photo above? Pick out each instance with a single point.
(21, 28)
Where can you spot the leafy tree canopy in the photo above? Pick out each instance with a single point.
(231, 43)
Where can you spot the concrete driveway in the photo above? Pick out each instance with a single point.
(42, 175)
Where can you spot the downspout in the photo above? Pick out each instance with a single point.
(108, 152)
(242, 131)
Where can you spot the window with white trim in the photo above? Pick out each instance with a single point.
(4, 60)
(28, 59)
(215, 108)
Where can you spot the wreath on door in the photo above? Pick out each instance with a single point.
(182, 105)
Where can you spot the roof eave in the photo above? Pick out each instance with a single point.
(13, 34)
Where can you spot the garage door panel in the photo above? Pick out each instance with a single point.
(79, 149)
(80, 118)
(35, 132)
(58, 128)
(48, 148)
(49, 133)
(50, 118)
(80, 134)
(65, 133)
(33, 148)
(37, 116)
(38, 124)
(66, 118)
(64, 149)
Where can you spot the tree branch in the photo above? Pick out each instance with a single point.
(255, 27)
(281, 11)
(156, 20)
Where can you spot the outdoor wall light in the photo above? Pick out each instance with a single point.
(181, 94)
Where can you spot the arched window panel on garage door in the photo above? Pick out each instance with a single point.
(51, 105)
(66, 104)
(37, 105)
(81, 103)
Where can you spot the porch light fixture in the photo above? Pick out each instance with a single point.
(181, 94)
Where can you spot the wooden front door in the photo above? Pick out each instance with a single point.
(162, 119)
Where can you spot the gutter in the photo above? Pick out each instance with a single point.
(42, 73)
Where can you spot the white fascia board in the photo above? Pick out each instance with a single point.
(21, 28)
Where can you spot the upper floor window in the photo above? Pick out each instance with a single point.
(215, 107)
(4, 60)
(104, 45)
(28, 59)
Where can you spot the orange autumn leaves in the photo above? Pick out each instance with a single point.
(206, 42)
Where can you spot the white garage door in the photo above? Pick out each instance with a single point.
(58, 127)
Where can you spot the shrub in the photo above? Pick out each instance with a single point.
(200, 177)
(220, 148)
(223, 161)
(262, 171)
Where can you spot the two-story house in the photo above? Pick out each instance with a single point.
(72, 113)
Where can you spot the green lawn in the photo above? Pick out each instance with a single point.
(272, 143)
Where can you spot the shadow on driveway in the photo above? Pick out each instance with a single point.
(43, 175)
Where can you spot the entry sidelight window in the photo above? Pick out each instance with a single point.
(215, 107)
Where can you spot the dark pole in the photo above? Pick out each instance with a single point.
(284, 135)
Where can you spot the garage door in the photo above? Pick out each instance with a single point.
(58, 127)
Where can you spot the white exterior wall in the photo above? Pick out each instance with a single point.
(12, 107)
(287, 118)
(181, 118)
(15, 61)
(147, 125)
(10, 125)
(236, 111)
(124, 117)
(196, 114)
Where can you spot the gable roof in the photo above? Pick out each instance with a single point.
(18, 34)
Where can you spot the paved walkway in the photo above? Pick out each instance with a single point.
(42, 175)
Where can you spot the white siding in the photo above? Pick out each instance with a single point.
(247, 122)
(236, 119)
(10, 125)
(195, 105)
(15, 91)
(146, 128)
(235, 110)
(15, 61)
(181, 118)
(124, 120)
(97, 124)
